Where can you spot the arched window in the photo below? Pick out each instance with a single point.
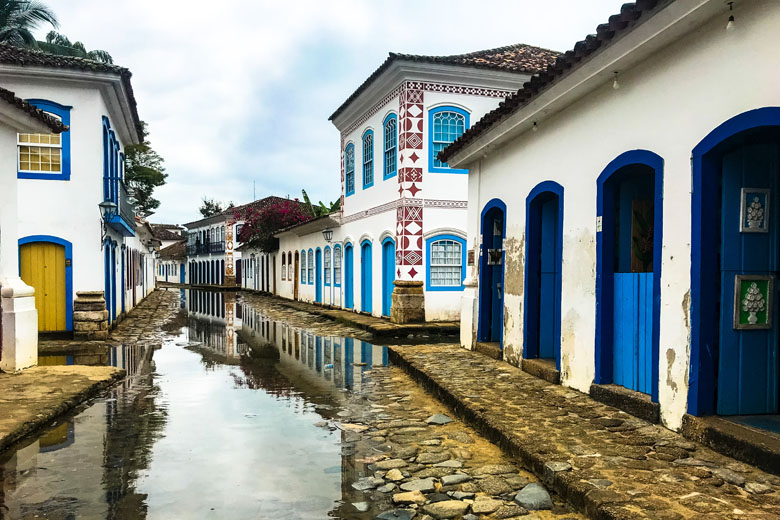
(368, 159)
(290, 266)
(446, 263)
(446, 124)
(391, 146)
(303, 266)
(284, 266)
(326, 263)
(349, 169)
(310, 263)
(337, 266)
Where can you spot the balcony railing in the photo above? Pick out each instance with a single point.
(206, 248)
(124, 220)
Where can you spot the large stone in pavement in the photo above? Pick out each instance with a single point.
(423, 484)
(446, 509)
(534, 497)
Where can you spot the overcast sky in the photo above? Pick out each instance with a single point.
(240, 91)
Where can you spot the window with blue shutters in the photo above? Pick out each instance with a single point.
(446, 124)
(349, 169)
(368, 159)
(391, 146)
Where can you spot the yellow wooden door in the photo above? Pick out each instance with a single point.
(43, 267)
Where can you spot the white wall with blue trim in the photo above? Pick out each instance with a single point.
(666, 103)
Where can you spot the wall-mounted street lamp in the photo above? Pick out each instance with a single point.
(327, 234)
(108, 210)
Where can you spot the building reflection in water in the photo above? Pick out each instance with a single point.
(107, 443)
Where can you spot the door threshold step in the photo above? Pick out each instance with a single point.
(491, 350)
(543, 369)
(630, 401)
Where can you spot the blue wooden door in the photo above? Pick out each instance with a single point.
(632, 333)
(349, 277)
(365, 277)
(318, 276)
(748, 359)
(181, 273)
(388, 275)
(548, 280)
(496, 281)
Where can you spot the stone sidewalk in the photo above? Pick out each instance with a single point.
(34, 397)
(605, 462)
(379, 327)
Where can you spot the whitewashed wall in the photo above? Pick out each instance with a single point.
(665, 105)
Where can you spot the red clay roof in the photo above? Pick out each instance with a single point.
(174, 251)
(631, 15)
(519, 58)
(53, 123)
(26, 57)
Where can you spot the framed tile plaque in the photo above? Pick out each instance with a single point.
(752, 302)
(754, 210)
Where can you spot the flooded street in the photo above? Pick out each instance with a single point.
(252, 410)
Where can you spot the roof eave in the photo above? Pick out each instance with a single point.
(664, 27)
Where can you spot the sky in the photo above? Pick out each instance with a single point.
(237, 94)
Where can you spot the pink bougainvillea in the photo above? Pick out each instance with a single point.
(261, 225)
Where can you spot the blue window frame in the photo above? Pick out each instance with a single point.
(446, 266)
(390, 127)
(303, 266)
(368, 159)
(45, 156)
(445, 124)
(326, 263)
(349, 169)
(310, 264)
(337, 266)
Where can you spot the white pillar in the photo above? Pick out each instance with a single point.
(20, 325)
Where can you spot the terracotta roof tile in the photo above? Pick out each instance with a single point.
(26, 57)
(164, 233)
(53, 123)
(174, 251)
(519, 58)
(631, 15)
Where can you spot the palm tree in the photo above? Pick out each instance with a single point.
(59, 44)
(19, 18)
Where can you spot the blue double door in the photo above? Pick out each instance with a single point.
(388, 275)
(748, 353)
(318, 276)
(366, 295)
(349, 277)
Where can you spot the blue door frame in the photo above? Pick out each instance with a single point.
(490, 327)
(388, 274)
(366, 282)
(605, 269)
(318, 275)
(543, 264)
(182, 276)
(705, 243)
(349, 277)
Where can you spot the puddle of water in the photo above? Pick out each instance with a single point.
(220, 425)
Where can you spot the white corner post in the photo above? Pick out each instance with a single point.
(20, 325)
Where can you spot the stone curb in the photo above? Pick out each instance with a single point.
(567, 484)
(50, 414)
(438, 333)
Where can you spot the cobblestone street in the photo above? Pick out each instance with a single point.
(403, 453)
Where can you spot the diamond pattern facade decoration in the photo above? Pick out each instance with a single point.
(410, 177)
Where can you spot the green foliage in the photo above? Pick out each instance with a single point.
(211, 207)
(321, 209)
(61, 45)
(19, 18)
(144, 171)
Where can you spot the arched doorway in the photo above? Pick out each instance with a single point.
(543, 261)
(366, 295)
(491, 273)
(628, 271)
(388, 274)
(349, 277)
(318, 275)
(45, 263)
(734, 267)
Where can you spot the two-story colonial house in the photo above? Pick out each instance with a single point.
(402, 223)
(76, 220)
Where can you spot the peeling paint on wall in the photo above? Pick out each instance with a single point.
(515, 265)
(669, 363)
(568, 337)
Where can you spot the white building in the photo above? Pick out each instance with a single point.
(172, 263)
(403, 213)
(213, 254)
(66, 245)
(18, 316)
(638, 244)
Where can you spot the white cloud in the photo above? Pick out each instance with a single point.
(241, 91)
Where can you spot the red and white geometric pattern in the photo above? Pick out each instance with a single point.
(409, 215)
